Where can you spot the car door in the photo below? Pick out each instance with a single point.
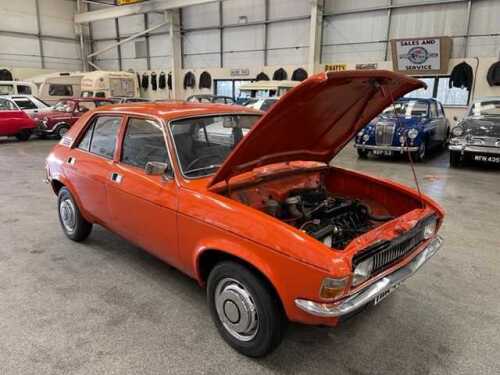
(144, 207)
(10, 117)
(90, 163)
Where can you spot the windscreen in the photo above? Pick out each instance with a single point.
(486, 108)
(409, 108)
(203, 143)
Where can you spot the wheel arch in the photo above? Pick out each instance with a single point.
(208, 258)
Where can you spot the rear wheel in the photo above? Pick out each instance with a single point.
(362, 154)
(244, 309)
(24, 135)
(455, 159)
(74, 226)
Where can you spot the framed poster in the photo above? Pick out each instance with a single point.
(421, 55)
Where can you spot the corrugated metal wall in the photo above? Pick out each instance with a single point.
(20, 44)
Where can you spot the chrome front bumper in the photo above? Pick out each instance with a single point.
(475, 149)
(387, 148)
(356, 301)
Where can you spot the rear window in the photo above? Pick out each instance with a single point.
(100, 137)
(25, 90)
(60, 90)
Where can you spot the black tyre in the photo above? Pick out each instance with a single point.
(362, 154)
(74, 226)
(23, 135)
(61, 131)
(421, 153)
(244, 309)
(455, 159)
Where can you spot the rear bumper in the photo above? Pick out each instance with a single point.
(386, 148)
(358, 300)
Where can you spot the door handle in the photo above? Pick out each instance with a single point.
(116, 177)
(71, 160)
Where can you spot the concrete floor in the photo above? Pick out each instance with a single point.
(106, 307)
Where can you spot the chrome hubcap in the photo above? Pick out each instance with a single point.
(236, 309)
(63, 131)
(68, 214)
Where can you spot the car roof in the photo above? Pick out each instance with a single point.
(89, 99)
(19, 96)
(418, 99)
(176, 110)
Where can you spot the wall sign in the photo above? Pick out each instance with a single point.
(335, 67)
(421, 55)
(366, 66)
(240, 72)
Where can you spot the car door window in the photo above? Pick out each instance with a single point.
(434, 113)
(60, 90)
(25, 103)
(100, 137)
(6, 105)
(143, 142)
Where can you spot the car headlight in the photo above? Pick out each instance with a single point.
(457, 131)
(430, 229)
(366, 137)
(360, 133)
(362, 272)
(333, 288)
(412, 133)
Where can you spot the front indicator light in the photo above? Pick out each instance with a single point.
(366, 137)
(430, 229)
(362, 272)
(333, 288)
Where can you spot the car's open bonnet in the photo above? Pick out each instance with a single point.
(316, 119)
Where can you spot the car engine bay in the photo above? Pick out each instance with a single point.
(307, 205)
(335, 221)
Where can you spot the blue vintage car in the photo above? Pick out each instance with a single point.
(420, 125)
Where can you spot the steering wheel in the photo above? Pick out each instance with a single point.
(197, 160)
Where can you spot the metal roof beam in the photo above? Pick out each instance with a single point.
(139, 8)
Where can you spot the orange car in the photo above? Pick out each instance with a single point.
(247, 204)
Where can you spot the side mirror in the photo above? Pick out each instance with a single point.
(156, 168)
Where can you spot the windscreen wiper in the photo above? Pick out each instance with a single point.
(208, 167)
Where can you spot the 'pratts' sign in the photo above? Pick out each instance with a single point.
(421, 55)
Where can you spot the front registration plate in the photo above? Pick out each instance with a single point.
(382, 152)
(487, 159)
(380, 297)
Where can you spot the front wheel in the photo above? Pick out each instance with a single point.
(362, 154)
(455, 159)
(244, 309)
(23, 135)
(421, 153)
(74, 226)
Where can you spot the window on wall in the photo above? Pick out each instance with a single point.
(229, 87)
(438, 88)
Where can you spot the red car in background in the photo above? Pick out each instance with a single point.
(64, 114)
(14, 121)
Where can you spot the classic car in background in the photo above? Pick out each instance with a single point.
(207, 98)
(64, 114)
(414, 125)
(123, 100)
(477, 136)
(29, 103)
(14, 121)
(261, 104)
(273, 231)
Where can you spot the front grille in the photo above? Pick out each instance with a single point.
(386, 256)
(387, 253)
(384, 133)
(485, 141)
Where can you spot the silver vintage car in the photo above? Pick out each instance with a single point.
(477, 136)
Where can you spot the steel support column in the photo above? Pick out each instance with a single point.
(221, 36)
(118, 45)
(388, 31)
(315, 34)
(467, 27)
(173, 19)
(39, 32)
(148, 50)
(266, 29)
